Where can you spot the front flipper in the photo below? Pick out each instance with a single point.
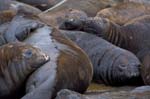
(40, 85)
(20, 28)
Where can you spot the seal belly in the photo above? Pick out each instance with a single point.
(44, 76)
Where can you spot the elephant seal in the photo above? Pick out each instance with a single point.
(112, 65)
(53, 15)
(55, 18)
(133, 36)
(8, 10)
(69, 67)
(17, 61)
(11, 34)
(124, 12)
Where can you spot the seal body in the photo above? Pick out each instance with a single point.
(10, 8)
(124, 12)
(137, 40)
(112, 65)
(55, 18)
(17, 29)
(133, 36)
(17, 62)
(90, 7)
(69, 67)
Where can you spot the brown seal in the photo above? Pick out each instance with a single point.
(17, 62)
(69, 67)
(53, 15)
(124, 12)
(56, 18)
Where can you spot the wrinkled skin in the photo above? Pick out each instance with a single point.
(112, 65)
(69, 67)
(91, 25)
(17, 61)
(133, 36)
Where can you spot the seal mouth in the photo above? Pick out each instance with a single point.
(46, 57)
(135, 74)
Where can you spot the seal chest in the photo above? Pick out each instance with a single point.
(42, 39)
(69, 67)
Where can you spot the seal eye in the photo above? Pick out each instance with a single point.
(27, 54)
(122, 67)
(71, 20)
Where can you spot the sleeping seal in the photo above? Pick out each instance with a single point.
(69, 67)
(133, 36)
(112, 65)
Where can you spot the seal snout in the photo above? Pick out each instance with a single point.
(66, 24)
(134, 70)
(46, 57)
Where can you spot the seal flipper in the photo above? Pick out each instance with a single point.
(20, 28)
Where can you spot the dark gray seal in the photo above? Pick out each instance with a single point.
(112, 65)
(133, 36)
